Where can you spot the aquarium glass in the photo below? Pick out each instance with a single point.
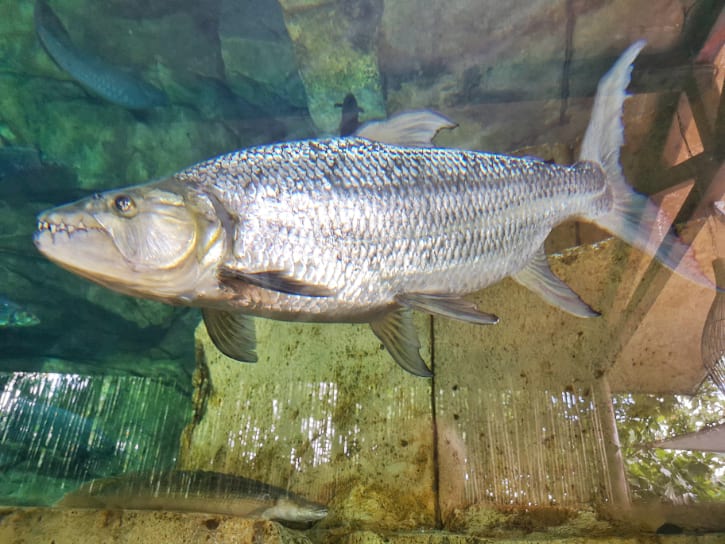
(588, 399)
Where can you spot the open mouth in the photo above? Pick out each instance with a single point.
(57, 235)
(80, 242)
(61, 226)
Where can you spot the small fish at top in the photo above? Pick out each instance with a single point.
(349, 121)
(13, 315)
(358, 229)
(196, 491)
(112, 83)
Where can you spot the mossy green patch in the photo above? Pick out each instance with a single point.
(332, 66)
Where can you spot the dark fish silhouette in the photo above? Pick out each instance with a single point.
(349, 121)
(115, 84)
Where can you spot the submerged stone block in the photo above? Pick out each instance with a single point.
(335, 47)
(255, 47)
(70, 526)
(325, 413)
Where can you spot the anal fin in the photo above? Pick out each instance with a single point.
(538, 277)
(397, 333)
(232, 333)
(451, 306)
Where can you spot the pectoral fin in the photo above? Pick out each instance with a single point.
(397, 333)
(232, 333)
(538, 277)
(274, 280)
(413, 128)
(448, 306)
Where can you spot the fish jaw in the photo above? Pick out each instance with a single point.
(155, 241)
(75, 241)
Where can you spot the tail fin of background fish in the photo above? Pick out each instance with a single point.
(635, 218)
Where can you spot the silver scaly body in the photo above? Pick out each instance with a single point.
(370, 221)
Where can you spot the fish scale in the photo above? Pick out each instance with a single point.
(431, 215)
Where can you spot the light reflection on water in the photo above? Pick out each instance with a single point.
(65, 428)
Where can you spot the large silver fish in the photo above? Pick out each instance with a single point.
(359, 229)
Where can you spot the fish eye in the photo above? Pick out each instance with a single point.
(125, 205)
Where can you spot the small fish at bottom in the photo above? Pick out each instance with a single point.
(195, 491)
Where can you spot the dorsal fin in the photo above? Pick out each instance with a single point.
(415, 128)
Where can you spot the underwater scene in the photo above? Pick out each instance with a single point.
(362, 270)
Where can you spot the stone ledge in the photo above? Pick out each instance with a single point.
(61, 526)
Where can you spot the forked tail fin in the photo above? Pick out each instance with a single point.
(634, 218)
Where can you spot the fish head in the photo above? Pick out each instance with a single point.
(296, 510)
(160, 240)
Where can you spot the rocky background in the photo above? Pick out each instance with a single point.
(229, 71)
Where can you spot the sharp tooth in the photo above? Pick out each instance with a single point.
(53, 228)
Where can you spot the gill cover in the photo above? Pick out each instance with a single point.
(155, 230)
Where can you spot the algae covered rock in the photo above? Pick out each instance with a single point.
(68, 526)
(521, 73)
(80, 143)
(335, 44)
(256, 48)
(105, 144)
